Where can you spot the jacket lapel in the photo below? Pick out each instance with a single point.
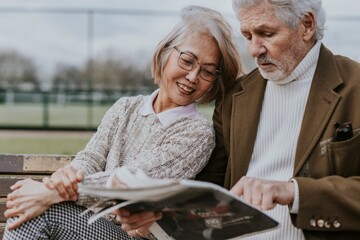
(321, 104)
(245, 117)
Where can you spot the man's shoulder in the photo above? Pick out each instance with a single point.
(349, 73)
(343, 65)
(243, 81)
(347, 66)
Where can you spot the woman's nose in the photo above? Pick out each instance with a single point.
(193, 75)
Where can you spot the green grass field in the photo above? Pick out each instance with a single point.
(42, 145)
(51, 142)
(58, 115)
(61, 115)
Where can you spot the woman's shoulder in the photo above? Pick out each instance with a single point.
(193, 124)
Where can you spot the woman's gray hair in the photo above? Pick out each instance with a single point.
(290, 11)
(201, 20)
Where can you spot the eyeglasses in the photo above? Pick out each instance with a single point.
(188, 62)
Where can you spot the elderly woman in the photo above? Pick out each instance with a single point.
(162, 134)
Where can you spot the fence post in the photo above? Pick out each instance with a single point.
(9, 97)
(45, 109)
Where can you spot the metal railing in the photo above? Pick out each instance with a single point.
(72, 110)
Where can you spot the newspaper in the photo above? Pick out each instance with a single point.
(191, 209)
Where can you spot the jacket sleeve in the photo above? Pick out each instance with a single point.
(215, 169)
(330, 203)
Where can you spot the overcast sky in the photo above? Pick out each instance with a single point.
(50, 38)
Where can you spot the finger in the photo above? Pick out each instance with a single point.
(48, 183)
(158, 216)
(11, 203)
(140, 234)
(120, 212)
(13, 195)
(71, 173)
(256, 198)
(67, 176)
(10, 196)
(133, 233)
(60, 187)
(72, 178)
(145, 229)
(117, 212)
(256, 192)
(17, 185)
(80, 175)
(238, 188)
(123, 213)
(137, 217)
(62, 181)
(139, 220)
(247, 192)
(140, 231)
(267, 202)
(73, 186)
(126, 227)
(18, 201)
(64, 177)
(13, 212)
(17, 223)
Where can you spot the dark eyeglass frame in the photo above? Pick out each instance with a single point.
(194, 65)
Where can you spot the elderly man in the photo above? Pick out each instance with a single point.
(289, 130)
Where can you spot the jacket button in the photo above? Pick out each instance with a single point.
(336, 224)
(327, 224)
(320, 223)
(312, 222)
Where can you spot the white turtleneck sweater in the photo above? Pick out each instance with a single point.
(278, 130)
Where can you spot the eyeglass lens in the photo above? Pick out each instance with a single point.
(189, 63)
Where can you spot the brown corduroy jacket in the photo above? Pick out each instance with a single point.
(328, 172)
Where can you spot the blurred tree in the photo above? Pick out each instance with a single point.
(108, 72)
(69, 78)
(112, 71)
(17, 71)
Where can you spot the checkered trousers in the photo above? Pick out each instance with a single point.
(64, 222)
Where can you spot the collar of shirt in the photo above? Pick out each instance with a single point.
(169, 116)
(306, 68)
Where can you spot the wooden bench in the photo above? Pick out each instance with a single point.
(14, 167)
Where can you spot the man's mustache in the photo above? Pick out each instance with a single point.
(263, 59)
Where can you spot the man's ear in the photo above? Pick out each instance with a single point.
(308, 23)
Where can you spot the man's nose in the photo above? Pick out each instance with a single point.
(256, 48)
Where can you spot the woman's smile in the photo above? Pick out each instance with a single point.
(183, 87)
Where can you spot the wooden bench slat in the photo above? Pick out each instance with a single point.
(2, 229)
(11, 163)
(32, 163)
(2, 210)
